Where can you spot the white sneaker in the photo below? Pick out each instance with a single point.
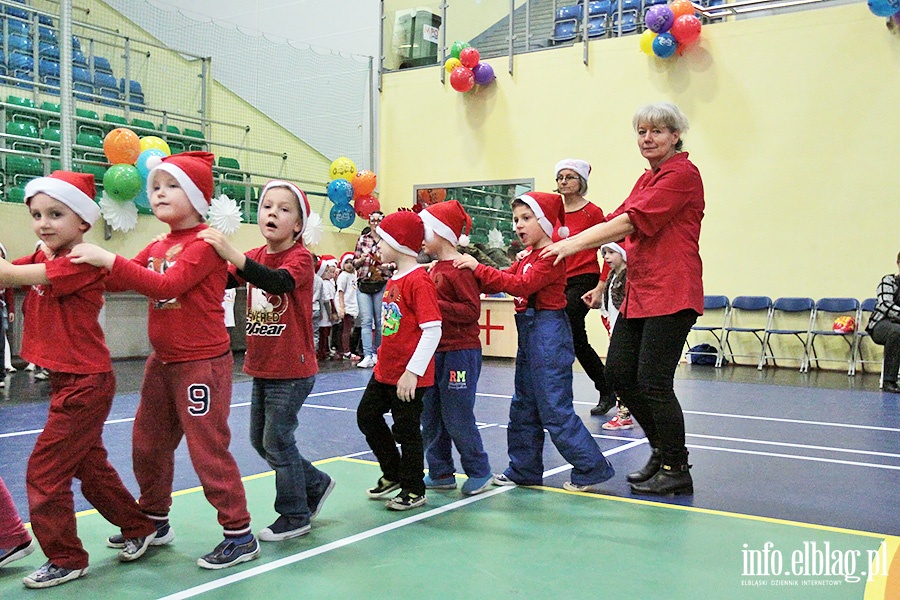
(30, 367)
(374, 359)
(366, 363)
(10, 369)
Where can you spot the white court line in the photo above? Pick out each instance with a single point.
(789, 445)
(842, 425)
(798, 457)
(337, 544)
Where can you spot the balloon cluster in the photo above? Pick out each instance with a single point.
(348, 184)
(466, 69)
(886, 8)
(670, 29)
(126, 179)
(428, 196)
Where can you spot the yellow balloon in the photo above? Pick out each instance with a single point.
(647, 42)
(343, 168)
(451, 64)
(156, 143)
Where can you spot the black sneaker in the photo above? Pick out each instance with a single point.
(230, 553)
(134, 548)
(8, 555)
(382, 488)
(605, 404)
(284, 528)
(406, 501)
(315, 504)
(164, 535)
(50, 575)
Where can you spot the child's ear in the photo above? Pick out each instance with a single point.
(84, 226)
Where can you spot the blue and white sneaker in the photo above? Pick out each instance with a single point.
(315, 504)
(476, 485)
(442, 483)
(8, 555)
(231, 552)
(164, 535)
(50, 575)
(134, 548)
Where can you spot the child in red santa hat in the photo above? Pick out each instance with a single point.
(347, 303)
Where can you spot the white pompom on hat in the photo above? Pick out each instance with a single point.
(75, 190)
(403, 231)
(193, 171)
(448, 220)
(582, 167)
(549, 210)
(301, 197)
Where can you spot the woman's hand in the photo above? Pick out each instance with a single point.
(92, 255)
(594, 298)
(466, 261)
(561, 249)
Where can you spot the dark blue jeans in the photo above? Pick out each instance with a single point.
(643, 355)
(274, 406)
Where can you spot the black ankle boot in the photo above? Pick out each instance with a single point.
(649, 469)
(668, 481)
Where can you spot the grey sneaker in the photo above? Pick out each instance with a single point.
(406, 501)
(284, 528)
(164, 535)
(134, 548)
(8, 555)
(50, 575)
(229, 553)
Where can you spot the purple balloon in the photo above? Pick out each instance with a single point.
(659, 18)
(484, 73)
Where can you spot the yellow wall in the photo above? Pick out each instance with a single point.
(793, 126)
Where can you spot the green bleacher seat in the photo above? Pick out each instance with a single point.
(50, 120)
(85, 127)
(52, 134)
(22, 110)
(98, 171)
(229, 163)
(170, 129)
(115, 121)
(143, 124)
(23, 130)
(89, 139)
(199, 145)
(22, 168)
(15, 194)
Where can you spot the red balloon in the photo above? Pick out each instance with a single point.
(366, 205)
(469, 57)
(462, 79)
(686, 29)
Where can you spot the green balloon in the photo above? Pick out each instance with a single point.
(122, 182)
(457, 47)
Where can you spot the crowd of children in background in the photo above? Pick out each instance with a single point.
(301, 310)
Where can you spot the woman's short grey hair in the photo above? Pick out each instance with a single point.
(662, 114)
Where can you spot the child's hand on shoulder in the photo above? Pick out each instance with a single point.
(466, 261)
(92, 255)
(222, 246)
(406, 386)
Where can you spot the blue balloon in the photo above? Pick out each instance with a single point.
(340, 191)
(884, 8)
(141, 199)
(342, 215)
(142, 158)
(664, 45)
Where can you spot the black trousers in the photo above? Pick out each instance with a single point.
(643, 355)
(406, 464)
(887, 333)
(577, 310)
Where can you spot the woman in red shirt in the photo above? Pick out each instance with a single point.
(583, 272)
(663, 295)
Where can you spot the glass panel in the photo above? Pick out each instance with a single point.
(488, 203)
(411, 34)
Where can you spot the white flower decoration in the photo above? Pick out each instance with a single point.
(312, 235)
(121, 216)
(225, 215)
(495, 239)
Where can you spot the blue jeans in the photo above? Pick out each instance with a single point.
(369, 312)
(274, 406)
(448, 416)
(543, 399)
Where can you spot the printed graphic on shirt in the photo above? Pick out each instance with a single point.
(264, 313)
(161, 265)
(390, 318)
(520, 300)
(457, 380)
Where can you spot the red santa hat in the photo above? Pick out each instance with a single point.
(403, 231)
(324, 261)
(582, 167)
(614, 247)
(193, 171)
(549, 210)
(301, 198)
(75, 190)
(345, 257)
(447, 219)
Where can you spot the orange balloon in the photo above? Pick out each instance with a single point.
(681, 7)
(364, 183)
(122, 146)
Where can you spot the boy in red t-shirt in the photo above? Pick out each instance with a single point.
(411, 330)
(62, 333)
(280, 355)
(187, 381)
(543, 379)
(449, 405)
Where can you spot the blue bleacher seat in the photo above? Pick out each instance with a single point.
(630, 12)
(48, 35)
(20, 62)
(133, 88)
(47, 67)
(106, 86)
(101, 65)
(565, 13)
(19, 43)
(78, 58)
(16, 27)
(48, 50)
(565, 31)
(76, 43)
(82, 82)
(599, 7)
(45, 20)
(15, 11)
